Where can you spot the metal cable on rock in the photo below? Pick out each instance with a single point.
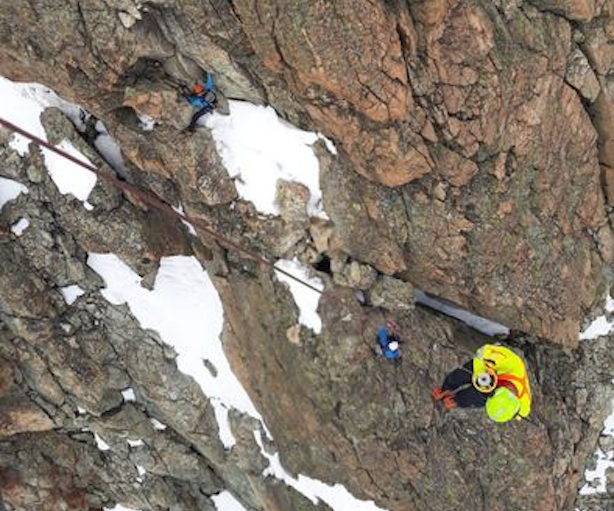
(155, 202)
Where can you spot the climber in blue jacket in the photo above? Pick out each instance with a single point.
(388, 343)
(200, 97)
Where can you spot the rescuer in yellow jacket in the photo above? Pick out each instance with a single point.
(495, 379)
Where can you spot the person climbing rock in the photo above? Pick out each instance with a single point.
(388, 343)
(495, 379)
(201, 97)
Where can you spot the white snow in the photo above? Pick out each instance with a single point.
(128, 393)
(141, 470)
(10, 190)
(306, 299)
(21, 225)
(68, 176)
(135, 443)
(225, 501)
(102, 445)
(190, 227)
(596, 479)
(329, 144)
(601, 325)
(259, 148)
(336, 496)
(22, 104)
(479, 323)
(81, 411)
(120, 508)
(71, 293)
(147, 123)
(109, 149)
(185, 309)
(157, 424)
(221, 414)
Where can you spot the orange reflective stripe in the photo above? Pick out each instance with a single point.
(522, 382)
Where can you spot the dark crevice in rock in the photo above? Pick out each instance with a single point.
(144, 69)
(323, 264)
(484, 325)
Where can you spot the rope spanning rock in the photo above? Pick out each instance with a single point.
(155, 202)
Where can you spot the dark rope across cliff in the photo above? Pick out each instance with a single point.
(158, 204)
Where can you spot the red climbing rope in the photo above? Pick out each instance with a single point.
(156, 203)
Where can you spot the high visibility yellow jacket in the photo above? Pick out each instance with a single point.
(509, 368)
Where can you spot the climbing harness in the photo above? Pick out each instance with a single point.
(156, 203)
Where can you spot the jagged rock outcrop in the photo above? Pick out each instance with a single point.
(64, 367)
(465, 101)
(474, 143)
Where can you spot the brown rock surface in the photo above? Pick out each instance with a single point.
(476, 151)
(432, 94)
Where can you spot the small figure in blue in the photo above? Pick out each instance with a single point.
(388, 342)
(200, 97)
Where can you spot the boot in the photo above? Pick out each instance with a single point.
(438, 393)
(449, 402)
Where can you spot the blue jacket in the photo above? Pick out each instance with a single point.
(199, 101)
(384, 338)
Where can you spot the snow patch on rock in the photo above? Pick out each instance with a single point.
(22, 104)
(600, 326)
(120, 508)
(10, 190)
(21, 225)
(128, 395)
(109, 149)
(486, 326)
(102, 445)
(71, 293)
(306, 299)
(258, 148)
(225, 501)
(596, 479)
(157, 424)
(189, 226)
(68, 176)
(185, 309)
(336, 496)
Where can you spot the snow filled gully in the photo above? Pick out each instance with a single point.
(185, 309)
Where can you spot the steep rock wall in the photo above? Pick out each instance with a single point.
(468, 165)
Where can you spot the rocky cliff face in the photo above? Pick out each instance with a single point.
(473, 161)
